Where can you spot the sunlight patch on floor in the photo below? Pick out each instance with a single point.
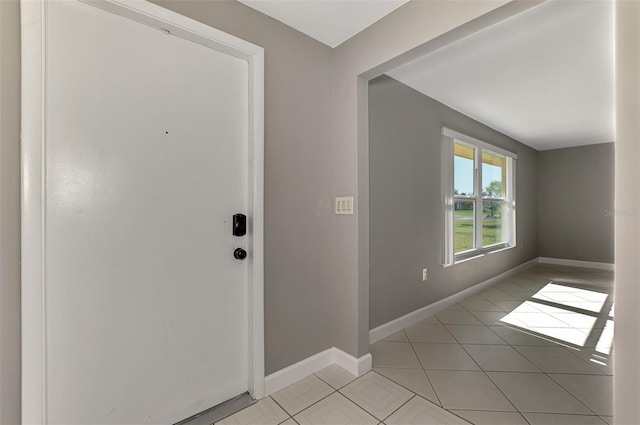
(606, 339)
(567, 314)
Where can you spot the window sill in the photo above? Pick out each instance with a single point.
(478, 254)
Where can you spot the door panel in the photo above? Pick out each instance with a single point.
(146, 162)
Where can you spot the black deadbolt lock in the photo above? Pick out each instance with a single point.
(239, 225)
(239, 254)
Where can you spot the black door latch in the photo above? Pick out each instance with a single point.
(239, 224)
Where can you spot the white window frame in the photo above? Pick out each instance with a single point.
(449, 138)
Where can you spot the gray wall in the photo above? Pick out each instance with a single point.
(575, 203)
(416, 27)
(9, 212)
(406, 203)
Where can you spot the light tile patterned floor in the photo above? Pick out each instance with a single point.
(533, 349)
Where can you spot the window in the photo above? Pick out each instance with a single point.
(479, 197)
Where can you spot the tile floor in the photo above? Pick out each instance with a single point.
(533, 349)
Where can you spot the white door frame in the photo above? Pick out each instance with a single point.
(34, 314)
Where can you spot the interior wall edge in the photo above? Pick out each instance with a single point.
(626, 383)
(10, 332)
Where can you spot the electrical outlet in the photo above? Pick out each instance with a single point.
(424, 275)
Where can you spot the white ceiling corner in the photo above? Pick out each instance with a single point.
(544, 77)
(329, 21)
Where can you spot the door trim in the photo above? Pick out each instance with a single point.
(33, 144)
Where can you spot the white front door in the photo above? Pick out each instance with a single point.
(145, 163)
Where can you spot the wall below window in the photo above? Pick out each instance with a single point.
(406, 202)
(575, 203)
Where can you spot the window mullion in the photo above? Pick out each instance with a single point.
(511, 201)
(449, 200)
(478, 190)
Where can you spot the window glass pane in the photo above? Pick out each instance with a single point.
(464, 224)
(493, 175)
(463, 170)
(493, 222)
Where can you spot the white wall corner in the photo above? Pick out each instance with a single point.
(353, 365)
(297, 371)
(576, 263)
(409, 319)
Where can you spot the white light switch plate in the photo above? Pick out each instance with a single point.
(344, 205)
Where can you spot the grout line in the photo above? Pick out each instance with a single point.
(449, 343)
(280, 406)
(588, 415)
(415, 353)
(432, 387)
(405, 334)
(517, 412)
(515, 347)
(465, 324)
(574, 396)
(479, 343)
(556, 342)
(455, 414)
(494, 410)
(360, 407)
(320, 378)
(391, 380)
(525, 418)
(342, 386)
(286, 420)
(409, 389)
(312, 404)
(399, 407)
(582, 374)
(456, 370)
(489, 378)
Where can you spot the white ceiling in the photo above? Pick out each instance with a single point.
(328, 21)
(544, 77)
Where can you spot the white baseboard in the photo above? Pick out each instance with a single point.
(287, 376)
(576, 263)
(409, 319)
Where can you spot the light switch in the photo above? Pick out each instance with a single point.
(344, 205)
